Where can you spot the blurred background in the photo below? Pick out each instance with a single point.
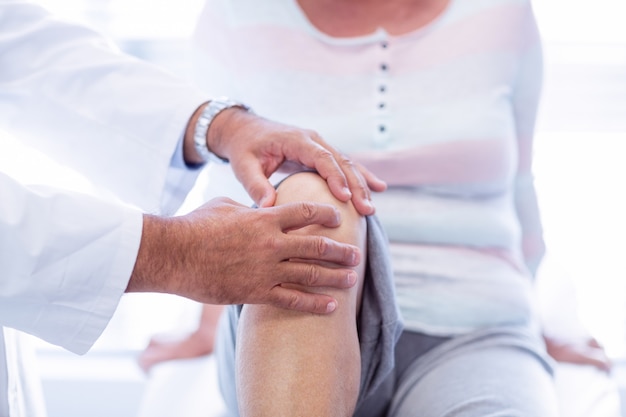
(579, 169)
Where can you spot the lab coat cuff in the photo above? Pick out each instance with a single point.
(110, 294)
(180, 178)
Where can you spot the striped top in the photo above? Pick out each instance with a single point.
(445, 114)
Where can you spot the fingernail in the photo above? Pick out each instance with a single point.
(337, 215)
(355, 258)
(351, 278)
(330, 307)
(347, 192)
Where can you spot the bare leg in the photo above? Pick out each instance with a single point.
(297, 364)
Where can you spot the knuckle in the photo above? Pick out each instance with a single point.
(308, 211)
(323, 246)
(312, 133)
(272, 243)
(293, 302)
(346, 162)
(327, 154)
(313, 276)
(323, 152)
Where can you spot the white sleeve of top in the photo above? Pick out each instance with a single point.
(66, 259)
(68, 92)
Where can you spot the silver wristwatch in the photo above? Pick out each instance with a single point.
(210, 111)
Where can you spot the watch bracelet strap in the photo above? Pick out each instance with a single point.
(210, 111)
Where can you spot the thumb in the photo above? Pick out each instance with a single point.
(255, 182)
(268, 198)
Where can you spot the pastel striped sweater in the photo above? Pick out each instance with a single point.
(445, 114)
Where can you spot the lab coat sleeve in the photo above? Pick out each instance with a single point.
(66, 259)
(67, 91)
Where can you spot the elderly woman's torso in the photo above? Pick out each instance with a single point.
(435, 100)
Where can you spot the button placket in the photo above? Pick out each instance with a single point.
(381, 127)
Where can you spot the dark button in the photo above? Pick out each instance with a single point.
(382, 128)
(383, 67)
(384, 45)
(382, 88)
(381, 105)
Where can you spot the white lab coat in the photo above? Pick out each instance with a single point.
(65, 258)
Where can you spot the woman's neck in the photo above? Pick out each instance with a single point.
(348, 18)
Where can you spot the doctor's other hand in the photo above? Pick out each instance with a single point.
(257, 147)
(226, 253)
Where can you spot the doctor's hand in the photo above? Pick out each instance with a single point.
(257, 147)
(226, 253)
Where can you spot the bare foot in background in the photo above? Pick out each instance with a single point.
(164, 348)
(584, 352)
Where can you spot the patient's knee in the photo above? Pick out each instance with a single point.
(309, 186)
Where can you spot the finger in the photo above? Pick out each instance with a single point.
(594, 343)
(309, 274)
(373, 182)
(350, 176)
(292, 299)
(362, 200)
(313, 152)
(361, 194)
(590, 358)
(297, 215)
(330, 166)
(252, 176)
(323, 249)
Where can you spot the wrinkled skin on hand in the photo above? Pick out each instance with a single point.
(257, 147)
(226, 253)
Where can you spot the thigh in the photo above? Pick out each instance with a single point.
(496, 381)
